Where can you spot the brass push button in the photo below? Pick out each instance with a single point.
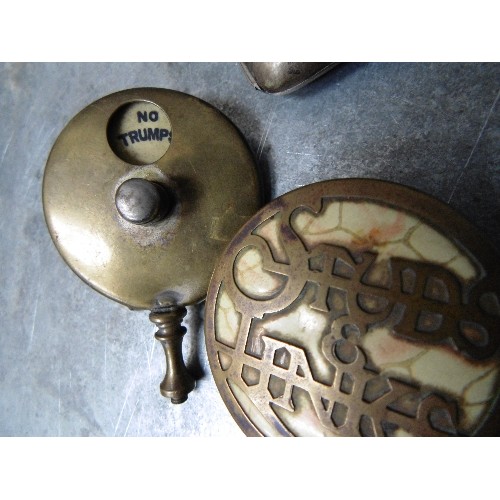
(141, 201)
(142, 191)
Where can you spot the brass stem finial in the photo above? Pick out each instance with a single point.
(177, 383)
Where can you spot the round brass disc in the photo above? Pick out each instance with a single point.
(148, 255)
(357, 307)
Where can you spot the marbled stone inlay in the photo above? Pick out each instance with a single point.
(365, 346)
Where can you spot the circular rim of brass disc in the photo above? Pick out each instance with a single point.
(428, 209)
(209, 168)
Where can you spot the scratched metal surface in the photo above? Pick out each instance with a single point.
(74, 363)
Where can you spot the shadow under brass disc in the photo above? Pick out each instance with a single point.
(142, 191)
(357, 308)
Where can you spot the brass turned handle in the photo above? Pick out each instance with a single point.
(177, 383)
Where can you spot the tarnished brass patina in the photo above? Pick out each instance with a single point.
(357, 308)
(284, 77)
(142, 190)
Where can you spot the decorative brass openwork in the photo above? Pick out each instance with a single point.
(357, 307)
(133, 201)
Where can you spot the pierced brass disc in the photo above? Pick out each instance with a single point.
(142, 191)
(357, 308)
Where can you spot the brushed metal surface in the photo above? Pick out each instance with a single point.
(74, 363)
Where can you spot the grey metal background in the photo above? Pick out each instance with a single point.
(74, 363)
